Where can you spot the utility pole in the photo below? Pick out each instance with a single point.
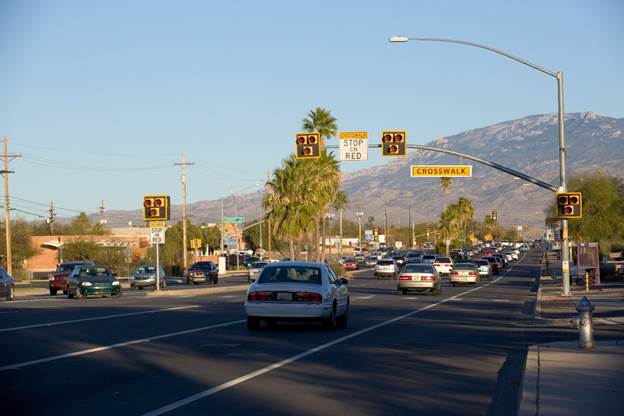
(222, 228)
(359, 213)
(409, 220)
(184, 248)
(51, 218)
(7, 208)
(386, 224)
(269, 223)
(101, 208)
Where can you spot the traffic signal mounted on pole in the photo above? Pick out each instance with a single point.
(569, 205)
(393, 143)
(308, 145)
(494, 216)
(156, 207)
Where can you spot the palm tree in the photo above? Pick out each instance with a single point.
(321, 120)
(445, 183)
(327, 169)
(341, 200)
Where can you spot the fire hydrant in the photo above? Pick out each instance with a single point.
(585, 323)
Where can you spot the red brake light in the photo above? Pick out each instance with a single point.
(454, 273)
(405, 277)
(430, 277)
(436, 264)
(260, 296)
(472, 273)
(308, 297)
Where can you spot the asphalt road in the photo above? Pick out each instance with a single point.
(459, 353)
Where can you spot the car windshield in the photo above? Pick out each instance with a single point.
(350, 259)
(68, 267)
(385, 262)
(201, 266)
(87, 272)
(442, 260)
(482, 262)
(464, 266)
(290, 274)
(258, 264)
(418, 268)
(146, 269)
(428, 257)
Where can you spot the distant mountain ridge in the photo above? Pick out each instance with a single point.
(529, 145)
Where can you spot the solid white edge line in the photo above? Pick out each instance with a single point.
(95, 318)
(112, 346)
(275, 366)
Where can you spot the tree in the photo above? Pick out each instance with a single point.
(211, 237)
(341, 200)
(453, 220)
(322, 121)
(21, 245)
(603, 209)
(445, 184)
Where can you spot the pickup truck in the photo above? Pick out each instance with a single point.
(58, 278)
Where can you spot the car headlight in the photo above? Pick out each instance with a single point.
(86, 284)
(116, 283)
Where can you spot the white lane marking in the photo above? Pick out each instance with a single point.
(9, 312)
(275, 366)
(501, 300)
(229, 296)
(112, 346)
(363, 297)
(95, 318)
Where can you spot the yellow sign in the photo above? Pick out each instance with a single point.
(488, 236)
(353, 135)
(418, 171)
(157, 224)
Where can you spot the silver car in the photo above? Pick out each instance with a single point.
(145, 276)
(485, 270)
(386, 268)
(297, 291)
(464, 273)
(419, 277)
(255, 269)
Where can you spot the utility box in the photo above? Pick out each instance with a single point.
(588, 260)
(221, 265)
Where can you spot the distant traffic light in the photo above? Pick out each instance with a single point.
(156, 207)
(308, 145)
(569, 205)
(494, 216)
(393, 143)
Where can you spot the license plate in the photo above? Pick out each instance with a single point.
(284, 296)
(416, 278)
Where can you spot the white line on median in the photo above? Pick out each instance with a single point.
(95, 318)
(242, 379)
(363, 297)
(112, 346)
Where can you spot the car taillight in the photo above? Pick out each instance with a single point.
(259, 296)
(405, 277)
(308, 297)
(455, 273)
(472, 273)
(430, 277)
(436, 264)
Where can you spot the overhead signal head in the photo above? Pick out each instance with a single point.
(308, 145)
(393, 143)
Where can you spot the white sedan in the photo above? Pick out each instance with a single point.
(297, 291)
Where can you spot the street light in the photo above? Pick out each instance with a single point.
(565, 253)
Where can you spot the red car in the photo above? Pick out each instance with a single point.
(58, 279)
(350, 264)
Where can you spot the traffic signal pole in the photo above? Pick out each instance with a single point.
(565, 246)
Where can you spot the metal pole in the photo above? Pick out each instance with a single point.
(360, 231)
(184, 248)
(157, 267)
(222, 227)
(565, 251)
(7, 210)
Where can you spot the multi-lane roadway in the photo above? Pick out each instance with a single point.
(459, 353)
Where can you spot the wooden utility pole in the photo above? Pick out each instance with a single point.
(184, 242)
(101, 208)
(269, 225)
(7, 208)
(51, 218)
(386, 236)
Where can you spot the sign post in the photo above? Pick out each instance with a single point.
(157, 236)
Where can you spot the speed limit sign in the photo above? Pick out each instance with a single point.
(157, 235)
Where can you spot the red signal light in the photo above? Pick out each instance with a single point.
(311, 139)
(386, 138)
(147, 202)
(158, 202)
(301, 140)
(574, 200)
(393, 149)
(398, 138)
(307, 151)
(563, 200)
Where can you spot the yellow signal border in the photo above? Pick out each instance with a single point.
(404, 132)
(580, 197)
(320, 145)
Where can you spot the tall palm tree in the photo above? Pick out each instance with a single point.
(322, 121)
(445, 184)
(341, 200)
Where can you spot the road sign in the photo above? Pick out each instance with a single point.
(439, 171)
(368, 235)
(354, 149)
(233, 219)
(353, 135)
(161, 224)
(157, 235)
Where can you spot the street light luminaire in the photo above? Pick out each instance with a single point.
(398, 38)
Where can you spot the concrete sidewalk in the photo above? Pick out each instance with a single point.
(562, 379)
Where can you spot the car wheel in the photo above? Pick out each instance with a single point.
(253, 324)
(70, 295)
(404, 291)
(436, 292)
(53, 292)
(117, 295)
(195, 283)
(215, 281)
(65, 292)
(11, 294)
(345, 316)
(78, 294)
(330, 321)
(453, 284)
(140, 287)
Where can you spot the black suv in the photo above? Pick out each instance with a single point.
(202, 271)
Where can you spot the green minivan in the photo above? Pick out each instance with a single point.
(86, 280)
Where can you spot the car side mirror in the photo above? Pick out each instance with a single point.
(344, 281)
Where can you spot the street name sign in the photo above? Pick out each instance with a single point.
(157, 235)
(234, 219)
(353, 145)
(439, 171)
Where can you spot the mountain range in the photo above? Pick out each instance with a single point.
(529, 145)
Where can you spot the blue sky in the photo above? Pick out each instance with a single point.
(101, 98)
